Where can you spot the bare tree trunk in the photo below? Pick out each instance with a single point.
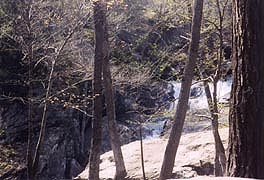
(179, 117)
(27, 6)
(142, 152)
(30, 127)
(45, 108)
(220, 159)
(246, 117)
(110, 105)
(28, 44)
(30, 120)
(94, 159)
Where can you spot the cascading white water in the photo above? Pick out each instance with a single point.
(197, 101)
(197, 96)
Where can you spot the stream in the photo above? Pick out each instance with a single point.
(197, 102)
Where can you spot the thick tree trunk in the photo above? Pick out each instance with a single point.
(94, 159)
(110, 108)
(179, 117)
(246, 118)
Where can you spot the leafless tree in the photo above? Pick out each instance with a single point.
(182, 106)
(220, 158)
(100, 55)
(43, 31)
(110, 105)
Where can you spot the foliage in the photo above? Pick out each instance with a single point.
(148, 43)
(156, 35)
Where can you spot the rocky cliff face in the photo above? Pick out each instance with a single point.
(66, 145)
(65, 151)
(67, 136)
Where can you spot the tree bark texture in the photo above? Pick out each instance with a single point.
(110, 107)
(99, 23)
(179, 117)
(246, 118)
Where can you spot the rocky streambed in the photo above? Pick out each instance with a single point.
(196, 151)
(67, 138)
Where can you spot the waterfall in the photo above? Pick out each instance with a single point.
(197, 101)
(197, 94)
